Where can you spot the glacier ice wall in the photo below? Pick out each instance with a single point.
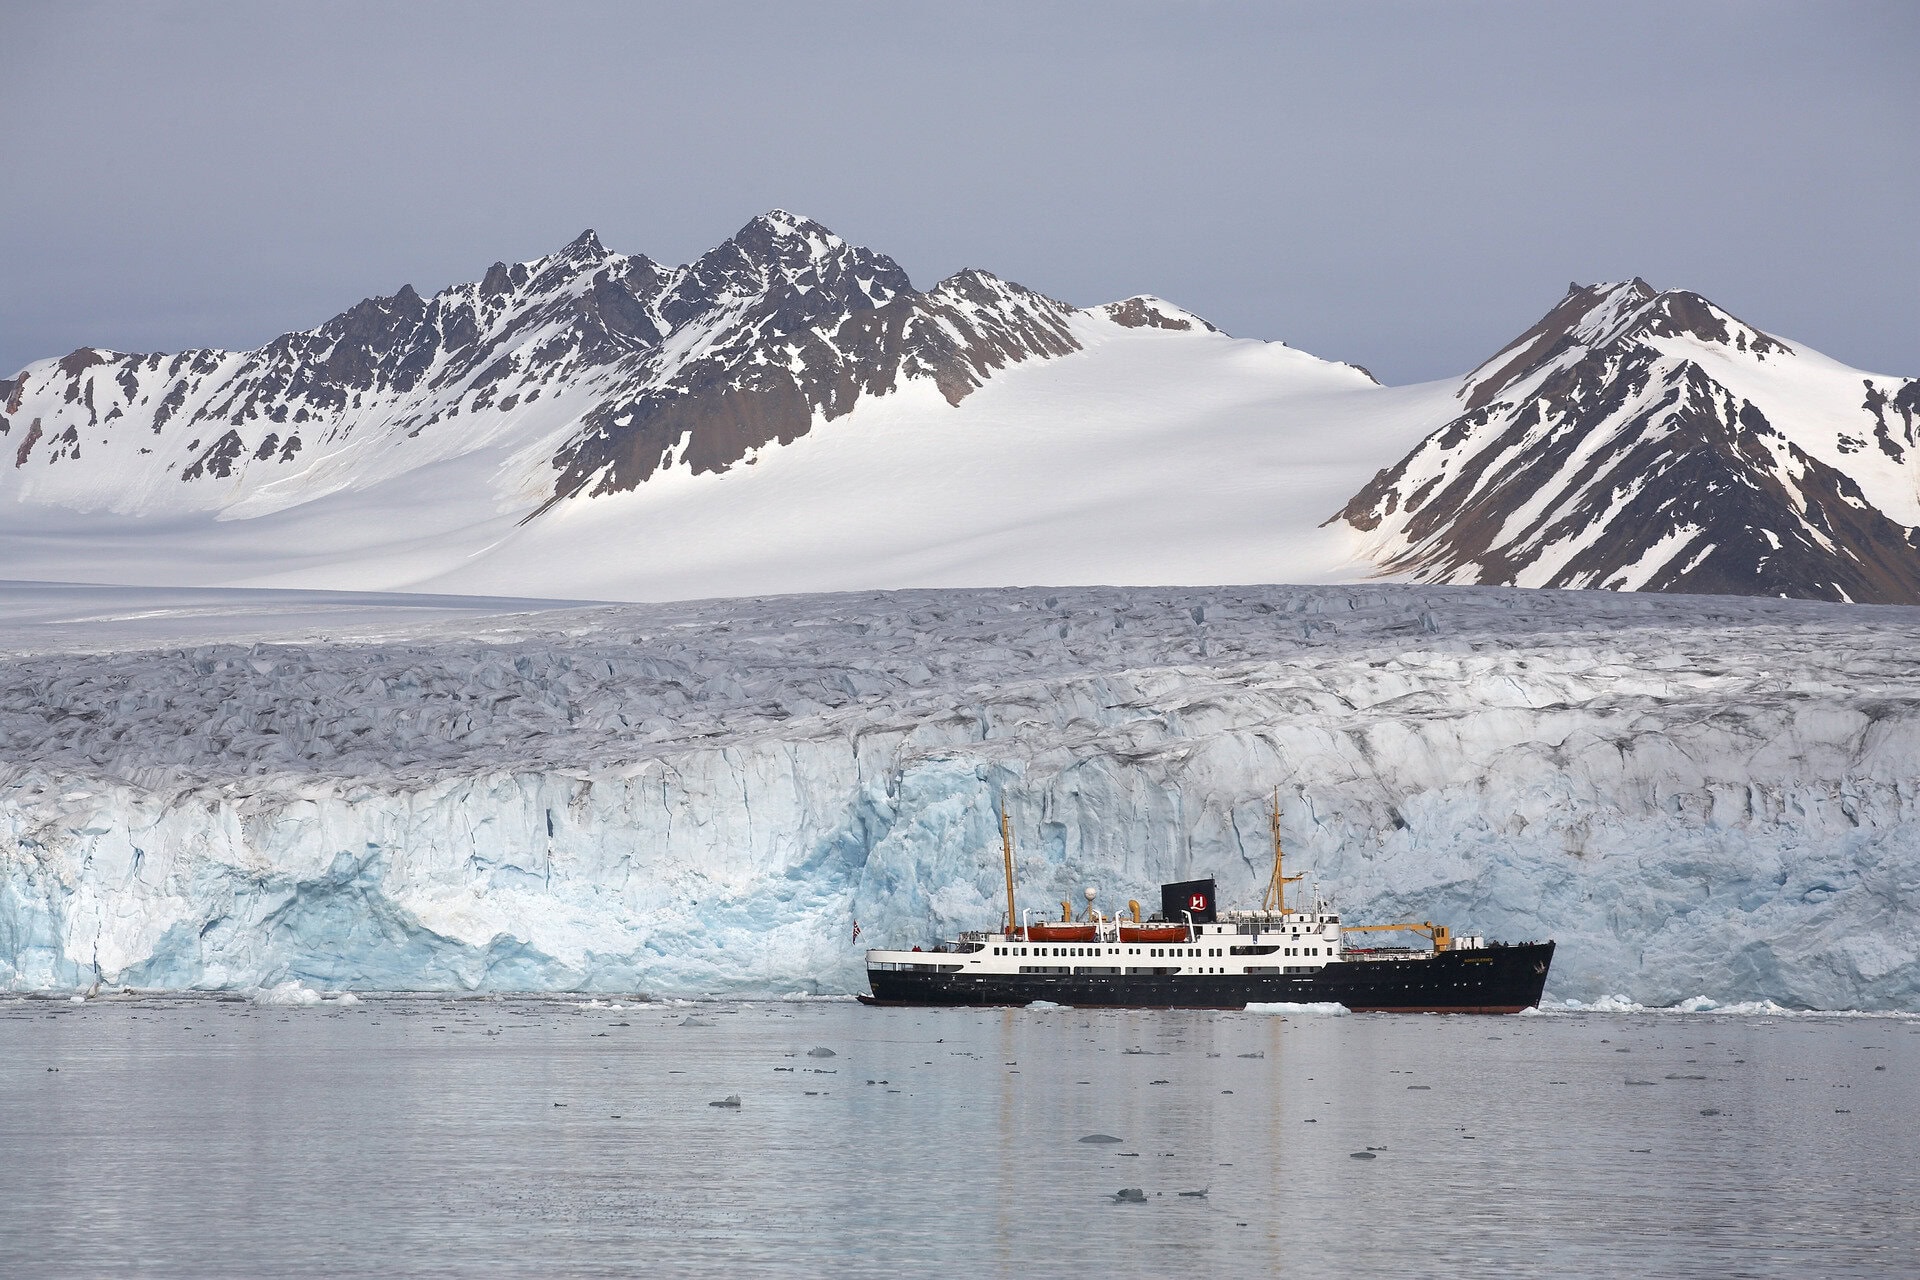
(1692, 795)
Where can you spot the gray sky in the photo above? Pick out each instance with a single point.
(1402, 185)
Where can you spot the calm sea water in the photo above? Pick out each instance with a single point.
(483, 1138)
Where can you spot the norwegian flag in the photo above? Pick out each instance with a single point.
(856, 931)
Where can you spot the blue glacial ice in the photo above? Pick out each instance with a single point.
(1693, 796)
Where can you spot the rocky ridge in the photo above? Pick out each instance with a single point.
(641, 366)
(1649, 441)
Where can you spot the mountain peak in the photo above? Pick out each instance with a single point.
(779, 227)
(1144, 311)
(585, 246)
(1596, 317)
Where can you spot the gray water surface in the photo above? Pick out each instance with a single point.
(407, 1136)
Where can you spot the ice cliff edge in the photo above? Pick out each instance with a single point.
(1691, 795)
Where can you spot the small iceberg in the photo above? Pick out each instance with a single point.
(1327, 1007)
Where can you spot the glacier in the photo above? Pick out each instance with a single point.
(232, 790)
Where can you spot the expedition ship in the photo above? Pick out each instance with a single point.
(1191, 956)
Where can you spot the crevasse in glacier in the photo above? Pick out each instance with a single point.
(1691, 795)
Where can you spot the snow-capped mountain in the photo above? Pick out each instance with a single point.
(639, 366)
(1641, 440)
(788, 413)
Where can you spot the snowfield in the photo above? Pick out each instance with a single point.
(234, 790)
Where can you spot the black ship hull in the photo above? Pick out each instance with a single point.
(1495, 979)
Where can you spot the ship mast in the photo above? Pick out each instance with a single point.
(1006, 849)
(1276, 899)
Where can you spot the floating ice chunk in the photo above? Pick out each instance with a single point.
(1099, 1137)
(1692, 1004)
(1283, 1007)
(346, 997)
(731, 1100)
(1763, 1008)
(288, 994)
(1130, 1195)
(821, 1052)
(1044, 1004)
(76, 999)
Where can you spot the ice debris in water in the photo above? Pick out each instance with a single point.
(1130, 1195)
(1099, 1137)
(1282, 1007)
(821, 1052)
(731, 1100)
(297, 995)
(694, 1022)
(1692, 1004)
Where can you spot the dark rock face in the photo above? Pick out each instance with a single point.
(793, 323)
(1593, 455)
(1151, 313)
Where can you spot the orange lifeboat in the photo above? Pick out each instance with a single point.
(1153, 933)
(1063, 933)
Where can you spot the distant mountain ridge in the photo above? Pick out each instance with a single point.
(705, 363)
(596, 423)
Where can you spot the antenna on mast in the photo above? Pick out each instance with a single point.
(1276, 899)
(1006, 849)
